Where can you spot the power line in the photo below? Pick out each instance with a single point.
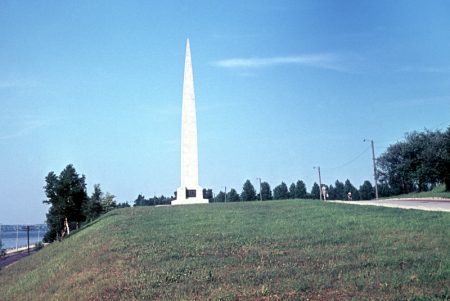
(351, 161)
(439, 126)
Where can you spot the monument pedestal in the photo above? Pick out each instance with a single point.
(186, 196)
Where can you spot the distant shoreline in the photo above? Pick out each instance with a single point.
(11, 251)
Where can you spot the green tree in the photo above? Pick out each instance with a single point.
(220, 197)
(366, 191)
(292, 191)
(444, 169)
(248, 192)
(315, 191)
(339, 191)
(152, 201)
(93, 208)
(281, 192)
(419, 163)
(67, 197)
(108, 203)
(300, 190)
(233, 196)
(266, 192)
(140, 201)
(394, 168)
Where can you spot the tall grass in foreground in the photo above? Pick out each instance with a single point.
(280, 250)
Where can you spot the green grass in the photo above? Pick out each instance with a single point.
(437, 192)
(280, 250)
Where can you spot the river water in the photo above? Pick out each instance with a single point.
(16, 238)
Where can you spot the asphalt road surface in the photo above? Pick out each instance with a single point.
(9, 259)
(429, 204)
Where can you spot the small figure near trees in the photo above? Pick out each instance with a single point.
(349, 196)
(66, 229)
(324, 192)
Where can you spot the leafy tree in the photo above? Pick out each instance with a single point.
(266, 192)
(394, 168)
(67, 197)
(315, 191)
(292, 191)
(93, 208)
(108, 203)
(123, 205)
(366, 191)
(152, 201)
(281, 192)
(419, 163)
(444, 169)
(220, 197)
(300, 190)
(339, 191)
(155, 200)
(161, 200)
(233, 196)
(140, 201)
(248, 192)
(384, 190)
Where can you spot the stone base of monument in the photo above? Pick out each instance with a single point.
(190, 201)
(186, 196)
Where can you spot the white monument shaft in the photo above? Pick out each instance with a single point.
(189, 192)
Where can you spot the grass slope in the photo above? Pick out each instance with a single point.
(281, 250)
(437, 192)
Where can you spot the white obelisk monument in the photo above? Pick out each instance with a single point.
(189, 192)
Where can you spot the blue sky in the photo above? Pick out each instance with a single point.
(281, 86)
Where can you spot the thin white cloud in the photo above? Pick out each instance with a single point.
(21, 128)
(323, 60)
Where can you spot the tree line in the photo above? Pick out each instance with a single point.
(297, 190)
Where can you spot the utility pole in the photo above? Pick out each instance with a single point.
(374, 168)
(320, 182)
(260, 195)
(28, 239)
(225, 194)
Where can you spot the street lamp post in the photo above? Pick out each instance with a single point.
(225, 194)
(374, 168)
(320, 182)
(260, 194)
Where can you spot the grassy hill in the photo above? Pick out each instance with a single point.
(437, 192)
(280, 250)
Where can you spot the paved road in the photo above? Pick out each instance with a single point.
(420, 204)
(9, 259)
